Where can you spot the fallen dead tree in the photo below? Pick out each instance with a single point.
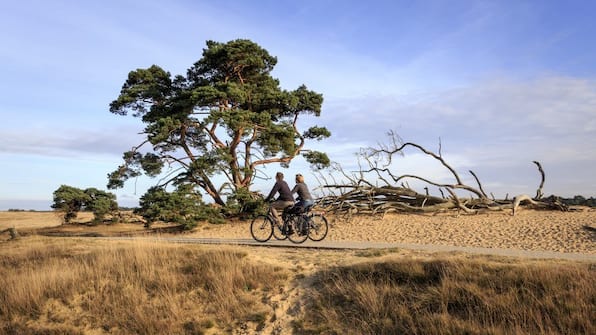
(356, 194)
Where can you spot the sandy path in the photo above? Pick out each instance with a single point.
(528, 230)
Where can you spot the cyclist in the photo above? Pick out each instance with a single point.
(285, 198)
(304, 197)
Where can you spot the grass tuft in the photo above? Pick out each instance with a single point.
(451, 296)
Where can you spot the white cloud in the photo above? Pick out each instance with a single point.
(69, 142)
(495, 128)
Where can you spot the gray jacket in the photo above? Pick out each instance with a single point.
(302, 190)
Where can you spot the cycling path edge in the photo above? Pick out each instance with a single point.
(353, 245)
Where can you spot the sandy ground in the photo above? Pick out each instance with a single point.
(528, 230)
(573, 232)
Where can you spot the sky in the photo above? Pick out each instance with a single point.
(494, 85)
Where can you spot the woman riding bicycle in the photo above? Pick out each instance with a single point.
(304, 198)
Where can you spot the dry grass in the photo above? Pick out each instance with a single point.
(129, 288)
(83, 286)
(452, 296)
(26, 220)
(50, 223)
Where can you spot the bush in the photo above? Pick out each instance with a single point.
(182, 206)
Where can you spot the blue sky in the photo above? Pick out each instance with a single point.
(499, 84)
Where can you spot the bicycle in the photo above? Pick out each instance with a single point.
(316, 223)
(293, 227)
(295, 219)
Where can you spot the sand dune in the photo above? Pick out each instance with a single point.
(527, 230)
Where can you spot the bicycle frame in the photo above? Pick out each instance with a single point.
(288, 226)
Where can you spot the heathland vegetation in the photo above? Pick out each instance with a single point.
(69, 286)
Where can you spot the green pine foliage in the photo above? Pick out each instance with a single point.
(223, 120)
(71, 200)
(182, 206)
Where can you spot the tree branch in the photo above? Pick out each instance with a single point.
(539, 191)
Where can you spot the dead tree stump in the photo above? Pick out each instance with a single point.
(13, 233)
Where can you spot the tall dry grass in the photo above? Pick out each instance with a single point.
(129, 288)
(452, 296)
(70, 286)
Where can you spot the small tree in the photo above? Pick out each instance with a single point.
(69, 200)
(100, 203)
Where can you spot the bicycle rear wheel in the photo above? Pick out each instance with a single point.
(261, 228)
(278, 233)
(318, 227)
(298, 233)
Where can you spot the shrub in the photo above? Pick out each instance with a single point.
(182, 206)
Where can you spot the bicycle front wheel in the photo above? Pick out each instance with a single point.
(261, 228)
(318, 227)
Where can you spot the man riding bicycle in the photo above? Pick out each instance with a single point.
(285, 198)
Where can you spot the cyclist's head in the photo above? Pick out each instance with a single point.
(299, 178)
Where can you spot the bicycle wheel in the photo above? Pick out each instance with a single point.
(261, 228)
(298, 233)
(277, 233)
(318, 227)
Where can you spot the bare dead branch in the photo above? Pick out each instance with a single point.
(459, 204)
(522, 198)
(539, 191)
(354, 193)
(479, 184)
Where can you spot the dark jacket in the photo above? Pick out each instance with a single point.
(284, 191)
